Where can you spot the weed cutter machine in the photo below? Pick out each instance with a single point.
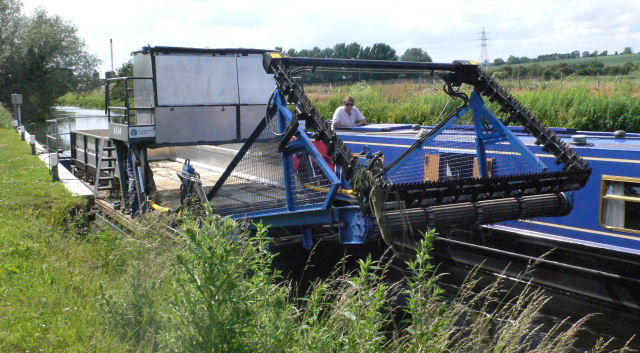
(297, 175)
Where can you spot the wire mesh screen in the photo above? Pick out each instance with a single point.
(311, 184)
(257, 184)
(453, 155)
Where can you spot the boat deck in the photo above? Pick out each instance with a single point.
(232, 198)
(168, 184)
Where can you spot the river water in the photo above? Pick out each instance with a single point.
(69, 118)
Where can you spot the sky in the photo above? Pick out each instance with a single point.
(447, 30)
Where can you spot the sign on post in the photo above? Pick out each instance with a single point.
(16, 100)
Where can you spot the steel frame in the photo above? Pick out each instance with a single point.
(481, 114)
(353, 227)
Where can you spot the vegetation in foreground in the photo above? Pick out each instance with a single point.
(65, 286)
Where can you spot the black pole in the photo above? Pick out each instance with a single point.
(243, 150)
(270, 59)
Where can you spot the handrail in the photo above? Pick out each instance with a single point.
(131, 108)
(130, 78)
(127, 108)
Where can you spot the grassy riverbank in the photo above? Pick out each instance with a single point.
(90, 100)
(573, 103)
(608, 104)
(67, 285)
(50, 267)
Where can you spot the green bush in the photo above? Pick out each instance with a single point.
(6, 118)
(227, 299)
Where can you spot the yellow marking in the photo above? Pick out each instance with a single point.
(472, 62)
(160, 208)
(620, 178)
(580, 229)
(276, 55)
(617, 160)
(622, 198)
(498, 152)
(603, 196)
(347, 192)
(377, 144)
(432, 148)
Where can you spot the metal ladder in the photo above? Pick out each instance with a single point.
(105, 154)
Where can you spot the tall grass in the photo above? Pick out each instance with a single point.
(226, 296)
(574, 106)
(50, 264)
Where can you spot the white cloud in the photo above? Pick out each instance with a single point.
(447, 30)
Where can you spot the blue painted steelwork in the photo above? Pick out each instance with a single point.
(481, 117)
(307, 238)
(356, 228)
(431, 138)
(605, 154)
(285, 117)
(480, 113)
(353, 228)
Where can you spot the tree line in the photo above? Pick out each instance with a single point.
(378, 51)
(42, 57)
(560, 70)
(513, 60)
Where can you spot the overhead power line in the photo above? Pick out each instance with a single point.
(484, 54)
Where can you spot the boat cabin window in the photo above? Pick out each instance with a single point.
(620, 203)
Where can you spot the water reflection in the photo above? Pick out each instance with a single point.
(68, 118)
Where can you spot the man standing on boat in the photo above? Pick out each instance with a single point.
(347, 115)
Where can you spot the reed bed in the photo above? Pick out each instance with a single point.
(572, 104)
(604, 104)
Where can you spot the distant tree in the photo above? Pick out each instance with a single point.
(616, 53)
(379, 51)
(586, 54)
(382, 51)
(627, 50)
(42, 57)
(512, 60)
(339, 51)
(116, 90)
(353, 50)
(575, 54)
(278, 48)
(416, 54)
(604, 53)
(498, 62)
(326, 53)
(10, 19)
(595, 53)
(316, 52)
(628, 67)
